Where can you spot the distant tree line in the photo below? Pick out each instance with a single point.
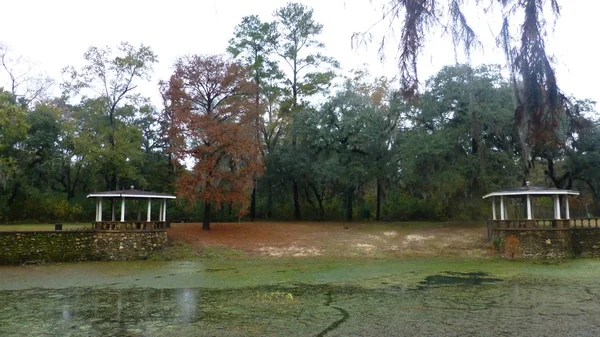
(271, 130)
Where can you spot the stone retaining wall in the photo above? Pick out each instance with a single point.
(586, 242)
(552, 243)
(27, 247)
(538, 244)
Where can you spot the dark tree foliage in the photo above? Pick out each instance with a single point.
(539, 105)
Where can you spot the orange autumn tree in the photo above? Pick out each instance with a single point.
(211, 130)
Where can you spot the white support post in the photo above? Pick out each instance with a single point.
(502, 211)
(100, 209)
(122, 209)
(556, 207)
(148, 215)
(493, 208)
(160, 211)
(164, 210)
(112, 212)
(529, 213)
(567, 211)
(97, 203)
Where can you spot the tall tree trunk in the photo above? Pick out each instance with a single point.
(270, 202)
(350, 193)
(378, 212)
(321, 207)
(297, 215)
(206, 222)
(256, 139)
(253, 203)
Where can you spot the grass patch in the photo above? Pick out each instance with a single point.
(33, 227)
(174, 251)
(181, 251)
(220, 252)
(412, 225)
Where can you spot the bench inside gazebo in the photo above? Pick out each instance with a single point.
(127, 224)
(526, 219)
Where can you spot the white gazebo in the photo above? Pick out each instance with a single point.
(123, 223)
(561, 218)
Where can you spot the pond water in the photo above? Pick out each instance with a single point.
(302, 297)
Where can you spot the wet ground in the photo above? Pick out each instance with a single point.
(341, 239)
(303, 297)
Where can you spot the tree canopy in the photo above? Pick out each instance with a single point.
(273, 130)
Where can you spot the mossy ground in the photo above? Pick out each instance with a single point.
(327, 297)
(215, 288)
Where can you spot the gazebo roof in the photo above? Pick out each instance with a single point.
(131, 193)
(531, 190)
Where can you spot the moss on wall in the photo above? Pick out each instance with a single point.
(27, 247)
(586, 242)
(553, 243)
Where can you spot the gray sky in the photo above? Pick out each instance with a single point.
(56, 33)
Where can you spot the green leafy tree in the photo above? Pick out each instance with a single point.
(253, 44)
(111, 78)
(13, 130)
(308, 72)
(538, 103)
(460, 141)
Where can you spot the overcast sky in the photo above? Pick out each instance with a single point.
(56, 33)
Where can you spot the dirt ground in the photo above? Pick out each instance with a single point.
(297, 239)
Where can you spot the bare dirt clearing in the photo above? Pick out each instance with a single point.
(337, 239)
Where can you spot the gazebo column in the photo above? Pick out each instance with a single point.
(493, 208)
(502, 210)
(148, 215)
(567, 211)
(112, 211)
(122, 209)
(164, 215)
(556, 207)
(529, 213)
(100, 209)
(160, 211)
(97, 204)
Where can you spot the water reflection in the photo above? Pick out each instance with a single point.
(188, 305)
(66, 314)
(479, 308)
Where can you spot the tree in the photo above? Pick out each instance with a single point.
(347, 143)
(577, 154)
(467, 143)
(13, 130)
(297, 38)
(253, 43)
(213, 131)
(24, 84)
(113, 78)
(381, 129)
(538, 103)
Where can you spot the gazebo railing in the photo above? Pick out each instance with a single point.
(546, 223)
(532, 224)
(129, 225)
(586, 223)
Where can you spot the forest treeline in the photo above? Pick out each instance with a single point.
(272, 130)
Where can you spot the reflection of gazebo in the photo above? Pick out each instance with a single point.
(124, 224)
(560, 220)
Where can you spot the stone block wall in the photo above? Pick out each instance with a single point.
(539, 244)
(127, 245)
(28, 247)
(586, 242)
(553, 243)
